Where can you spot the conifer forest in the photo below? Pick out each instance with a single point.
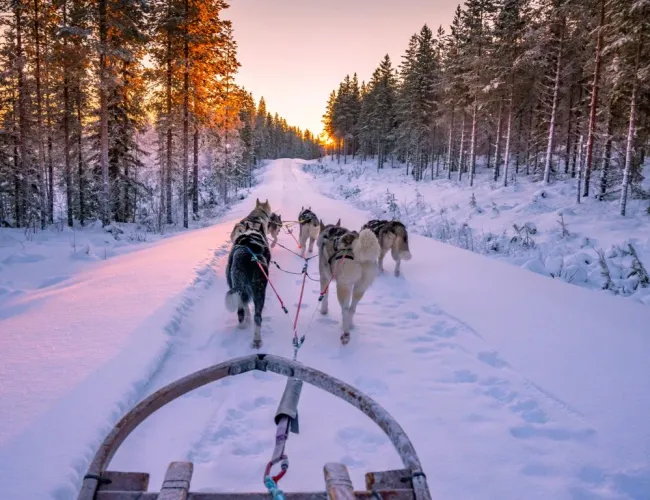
(545, 89)
(84, 84)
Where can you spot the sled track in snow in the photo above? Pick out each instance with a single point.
(204, 278)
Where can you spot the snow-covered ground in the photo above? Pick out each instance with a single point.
(510, 385)
(541, 228)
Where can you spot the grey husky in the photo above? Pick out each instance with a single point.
(309, 225)
(392, 235)
(246, 273)
(275, 224)
(350, 259)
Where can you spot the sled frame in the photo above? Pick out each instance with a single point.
(408, 483)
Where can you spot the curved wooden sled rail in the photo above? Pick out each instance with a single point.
(384, 485)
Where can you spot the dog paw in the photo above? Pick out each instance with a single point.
(397, 274)
(345, 338)
(256, 344)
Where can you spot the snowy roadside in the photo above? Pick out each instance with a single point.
(84, 333)
(540, 228)
(35, 260)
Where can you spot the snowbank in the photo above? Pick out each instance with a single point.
(540, 228)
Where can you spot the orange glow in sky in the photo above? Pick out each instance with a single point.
(295, 52)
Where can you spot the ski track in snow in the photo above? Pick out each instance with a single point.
(481, 428)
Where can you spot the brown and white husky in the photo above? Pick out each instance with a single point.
(350, 259)
(392, 235)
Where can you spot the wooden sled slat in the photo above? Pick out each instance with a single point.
(125, 481)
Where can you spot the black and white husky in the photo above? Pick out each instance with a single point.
(246, 281)
(309, 225)
(392, 235)
(350, 259)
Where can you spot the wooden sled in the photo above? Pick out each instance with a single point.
(405, 484)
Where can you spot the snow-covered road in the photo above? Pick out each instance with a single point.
(509, 384)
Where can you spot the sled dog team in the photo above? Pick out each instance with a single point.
(349, 258)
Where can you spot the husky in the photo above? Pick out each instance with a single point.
(392, 235)
(349, 258)
(309, 226)
(275, 224)
(258, 219)
(246, 281)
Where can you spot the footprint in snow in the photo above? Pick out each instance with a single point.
(372, 387)
(552, 433)
(358, 439)
(443, 329)
(258, 402)
(432, 310)
(492, 359)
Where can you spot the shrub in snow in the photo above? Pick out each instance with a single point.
(554, 266)
(539, 195)
(524, 233)
(391, 205)
(564, 230)
(536, 266)
(575, 274)
(348, 193)
(608, 283)
(637, 269)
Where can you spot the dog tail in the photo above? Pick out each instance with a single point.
(366, 247)
(233, 300)
(404, 252)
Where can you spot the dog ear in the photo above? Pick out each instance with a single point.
(322, 226)
(338, 223)
(257, 202)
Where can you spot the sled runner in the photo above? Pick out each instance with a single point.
(404, 484)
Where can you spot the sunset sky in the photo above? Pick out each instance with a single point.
(295, 52)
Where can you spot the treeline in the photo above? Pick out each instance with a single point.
(551, 89)
(82, 83)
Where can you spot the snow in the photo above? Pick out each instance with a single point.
(539, 227)
(511, 385)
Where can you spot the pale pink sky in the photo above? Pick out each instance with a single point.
(295, 52)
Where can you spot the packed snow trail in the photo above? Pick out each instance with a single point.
(482, 427)
(510, 385)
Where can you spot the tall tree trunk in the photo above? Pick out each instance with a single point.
(17, 174)
(497, 159)
(50, 145)
(24, 168)
(461, 153)
(580, 160)
(103, 112)
(472, 148)
(186, 115)
(506, 161)
(577, 132)
(195, 174)
(168, 163)
(551, 127)
(433, 146)
(594, 100)
(631, 132)
(80, 161)
(39, 118)
(607, 153)
(567, 151)
(450, 144)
